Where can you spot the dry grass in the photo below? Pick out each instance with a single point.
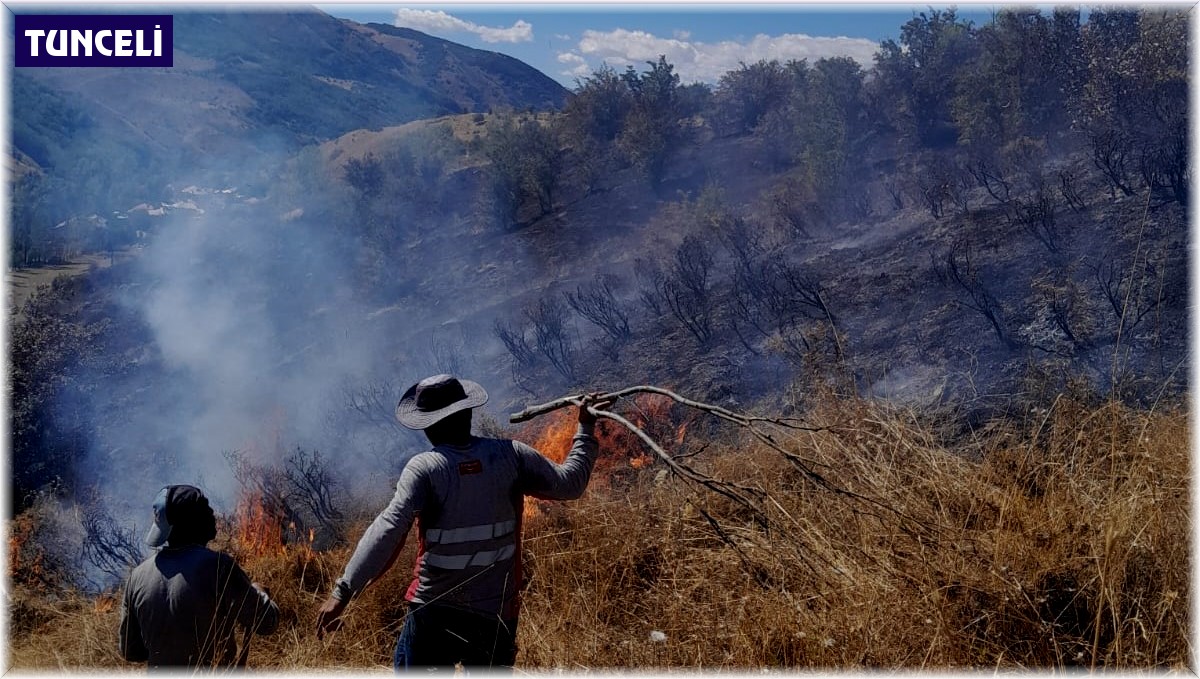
(24, 282)
(1065, 545)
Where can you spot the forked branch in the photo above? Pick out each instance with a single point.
(759, 427)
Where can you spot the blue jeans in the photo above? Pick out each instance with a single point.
(435, 638)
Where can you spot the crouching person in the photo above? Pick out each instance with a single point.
(182, 605)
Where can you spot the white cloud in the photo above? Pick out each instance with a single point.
(578, 66)
(563, 36)
(437, 21)
(707, 62)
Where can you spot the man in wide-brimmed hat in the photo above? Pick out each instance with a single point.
(181, 606)
(466, 496)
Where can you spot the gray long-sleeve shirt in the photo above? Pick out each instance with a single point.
(467, 503)
(181, 606)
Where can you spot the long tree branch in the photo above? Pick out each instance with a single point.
(729, 490)
(755, 424)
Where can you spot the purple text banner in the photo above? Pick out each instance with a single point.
(75, 40)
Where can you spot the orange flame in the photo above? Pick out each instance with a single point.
(104, 604)
(556, 438)
(26, 556)
(258, 531)
(620, 448)
(258, 524)
(680, 433)
(554, 442)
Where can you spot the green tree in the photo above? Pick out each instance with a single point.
(30, 223)
(842, 78)
(525, 166)
(655, 128)
(747, 94)
(48, 345)
(916, 79)
(812, 130)
(1019, 83)
(596, 111)
(821, 130)
(365, 176)
(1133, 102)
(591, 121)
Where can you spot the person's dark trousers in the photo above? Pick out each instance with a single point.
(434, 638)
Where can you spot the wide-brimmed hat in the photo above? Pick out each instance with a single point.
(180, 506)
(433, 398)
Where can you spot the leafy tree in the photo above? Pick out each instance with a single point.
(30, 222)
(49, 343)
(418, 162)
(916, 79)
(590, 122)
(820, 131)
(655, 128)
(525, 165)
(44, 120)
(365, 176)
(744, 96)
(1019, 83)
(1133, 104)
(596, 111)
(822, 125)
(842, 78)
(694, 99)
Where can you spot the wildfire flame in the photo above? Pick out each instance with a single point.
(25, 555)
(104, 604)
(620, 448)
(554, 442)
(258, 522)
(257, 530)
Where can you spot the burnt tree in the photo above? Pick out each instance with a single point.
(650, 278)
(113, 549)
(957, 270)
(1036, 215)
(1111, 150)
(371, 404)
(1069, 190)
(988, 176)
(310, 486)
(597, 302)
(523, 356)
(548, 320)
(1129, 290)
(774, 297)
(687, 290)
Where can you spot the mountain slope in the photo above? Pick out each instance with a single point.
(245, 83)
(469, 77)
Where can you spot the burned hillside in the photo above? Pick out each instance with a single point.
(955, 266)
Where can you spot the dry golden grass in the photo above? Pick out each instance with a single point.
(1065, 544)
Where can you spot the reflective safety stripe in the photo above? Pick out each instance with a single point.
(446, 536)
(457, 562)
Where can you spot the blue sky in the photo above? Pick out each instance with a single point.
(702, 41)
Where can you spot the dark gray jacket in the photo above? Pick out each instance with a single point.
(182, 605)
